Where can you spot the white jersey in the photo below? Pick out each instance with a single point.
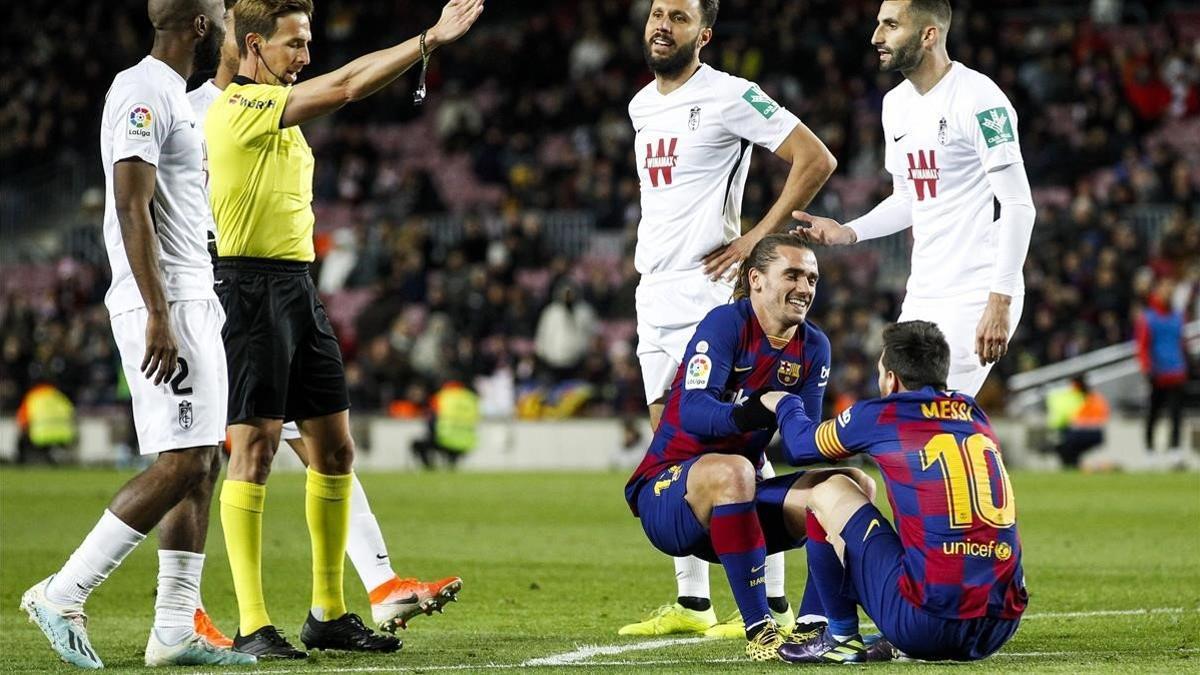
(202, 98)
(693, 151)
(147, 115)
(941, 146)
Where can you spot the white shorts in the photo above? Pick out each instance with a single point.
(669, 306)
(187, 410)
(958, 317)
(291, 431)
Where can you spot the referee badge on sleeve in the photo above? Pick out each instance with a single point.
(140, 122)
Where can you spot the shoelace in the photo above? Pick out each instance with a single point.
(76, 618)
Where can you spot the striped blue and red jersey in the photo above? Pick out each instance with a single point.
(950, 494)
(729, 359)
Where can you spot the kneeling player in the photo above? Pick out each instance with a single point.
(699, 491)
(950, 584)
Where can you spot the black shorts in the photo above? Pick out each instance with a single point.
(284, 361)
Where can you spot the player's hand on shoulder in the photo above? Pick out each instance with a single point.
(821, 230)
(720, 263)
(457, 18)
(161, 349)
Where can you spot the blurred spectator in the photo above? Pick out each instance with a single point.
(46, 420)
(453, 425)
(1077, 415)
(1163, 359)
(563, 333)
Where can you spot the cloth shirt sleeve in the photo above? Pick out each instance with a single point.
(255, 111)
(707, 362)
(747, 112)
(144, 122)
(1010, 186)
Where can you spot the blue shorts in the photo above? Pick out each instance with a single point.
(673, 528)
(874, 565)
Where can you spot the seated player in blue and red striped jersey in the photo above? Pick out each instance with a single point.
(698, 491)
(950, 584)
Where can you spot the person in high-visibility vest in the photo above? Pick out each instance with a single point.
(1079, 414)
(453, 425)
(46, 419)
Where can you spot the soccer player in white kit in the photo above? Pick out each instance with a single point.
(167, 323)
(394, 599)
(958, 180)
(695, 131)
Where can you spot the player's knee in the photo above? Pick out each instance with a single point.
(188, 468)
(252, 461)
(732, 478)
(827, 494)
(335, 456)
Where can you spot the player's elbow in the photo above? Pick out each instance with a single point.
(825, 163)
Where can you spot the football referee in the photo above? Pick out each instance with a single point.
(284, 361)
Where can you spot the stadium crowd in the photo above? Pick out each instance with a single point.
(487, 236)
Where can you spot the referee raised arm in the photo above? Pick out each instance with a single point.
(284, 361)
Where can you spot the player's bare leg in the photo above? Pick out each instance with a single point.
(252, 446)
(830, 499)
(56, 604)
(199, 514)
(692, 611)
(394, 600)
(327, 510)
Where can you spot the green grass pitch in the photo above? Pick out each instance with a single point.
(554, 563)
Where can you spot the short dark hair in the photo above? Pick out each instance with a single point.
(708, 12)
(936, 10)
(260, 16)
(765, 252)
(918, 353)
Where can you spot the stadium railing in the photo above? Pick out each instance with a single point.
(1113, 370)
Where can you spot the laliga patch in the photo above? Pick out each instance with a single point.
(140, 122)
(698, 370)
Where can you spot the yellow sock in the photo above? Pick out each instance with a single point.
(241, 519)
(327, 509)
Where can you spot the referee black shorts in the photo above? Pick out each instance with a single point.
(284, 361)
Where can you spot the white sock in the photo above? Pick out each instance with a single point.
(178, 595)
(775, 570)
(365, 546)
(97, 556)
(691, 576)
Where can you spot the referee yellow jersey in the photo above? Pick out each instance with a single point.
(261, 176)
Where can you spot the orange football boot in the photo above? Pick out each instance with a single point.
(395, 602)
(209, 631)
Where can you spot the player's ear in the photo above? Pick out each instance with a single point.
(705, 37)
(200, 25)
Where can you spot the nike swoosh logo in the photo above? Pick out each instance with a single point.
(896, 139)
(874, 524)
(381, 557)
(756, 570)
(742, 369)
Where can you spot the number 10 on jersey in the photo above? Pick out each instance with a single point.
(967, 473)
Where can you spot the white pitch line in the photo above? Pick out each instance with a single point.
(589, 651)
